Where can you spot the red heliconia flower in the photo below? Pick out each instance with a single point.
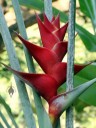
(51, 36)
(49, 57)
(49, 60)
(52, 25)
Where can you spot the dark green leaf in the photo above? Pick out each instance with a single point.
(2, 101)
(88, 73)
(88, 39)
(86, 8)
(39, 5)
(35, 4)
(80, 105)
(89, 95)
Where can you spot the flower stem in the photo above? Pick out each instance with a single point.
(48, 8)
(22, 30)
(70, 59)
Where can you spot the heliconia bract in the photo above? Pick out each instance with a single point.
(49, 56)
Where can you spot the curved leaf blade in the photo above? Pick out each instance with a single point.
(4, 120)
(89, 96)
(8, 109)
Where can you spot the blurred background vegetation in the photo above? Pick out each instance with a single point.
(85, 115)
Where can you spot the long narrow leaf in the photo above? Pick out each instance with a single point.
(22, 30)
(94, 12)
(4, 120)
(8, 109)
(89, 95)
(82, 77)
(88, 38)
(14, 63)
(1, 126)
(87, 7)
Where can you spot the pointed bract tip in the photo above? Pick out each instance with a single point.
(15, 32)
(61, 102)
(3, 64)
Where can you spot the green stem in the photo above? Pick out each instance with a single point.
(23, 33)
(70, 59)
(38, 103)
(48, 8)
(30, 121)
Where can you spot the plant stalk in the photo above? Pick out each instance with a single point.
(70, 59)
(23, 33)
(48, 9)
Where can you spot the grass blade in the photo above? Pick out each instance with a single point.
(4, 120)
(1, 126)
(8, 109)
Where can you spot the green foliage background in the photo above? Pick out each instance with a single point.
(84, 52)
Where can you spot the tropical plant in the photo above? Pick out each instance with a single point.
(49, 57)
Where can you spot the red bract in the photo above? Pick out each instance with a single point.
(49, 57)
(49, 60)
(50, 37)
(43, 83)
